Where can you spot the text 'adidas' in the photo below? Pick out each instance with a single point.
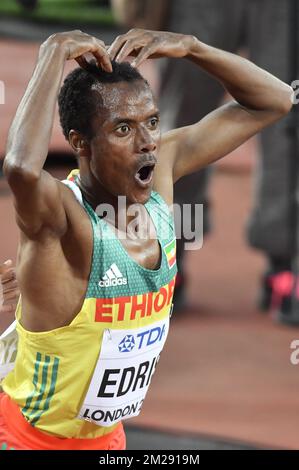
(113, 277)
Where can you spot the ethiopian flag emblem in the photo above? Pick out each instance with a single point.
(170, 253)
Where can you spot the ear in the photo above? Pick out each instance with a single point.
(79, 144)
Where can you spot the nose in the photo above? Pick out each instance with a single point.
(148, 147)
(145, 142)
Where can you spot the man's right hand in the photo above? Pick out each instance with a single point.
(9, 285)
(76, 43)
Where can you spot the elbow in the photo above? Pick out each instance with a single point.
(18, 172)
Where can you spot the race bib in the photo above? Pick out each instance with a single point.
(123, 373)
(8, 350)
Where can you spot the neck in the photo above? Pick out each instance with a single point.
(112, 208)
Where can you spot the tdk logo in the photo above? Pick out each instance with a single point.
(127, 344)
(143, 339)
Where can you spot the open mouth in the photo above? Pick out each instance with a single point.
(144, 175)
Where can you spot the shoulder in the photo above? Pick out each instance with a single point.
(164, 173)
(172, 145)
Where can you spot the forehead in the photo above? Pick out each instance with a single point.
(127, 99)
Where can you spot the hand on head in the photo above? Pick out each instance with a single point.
(76, 44)
(144, 44)
(139, 43)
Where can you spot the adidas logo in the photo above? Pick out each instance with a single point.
(113, 277)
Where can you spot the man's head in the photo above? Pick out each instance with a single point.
(111, 121)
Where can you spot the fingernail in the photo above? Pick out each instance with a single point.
(8, 262)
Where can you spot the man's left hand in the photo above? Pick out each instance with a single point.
(10, 290)
(144, 44)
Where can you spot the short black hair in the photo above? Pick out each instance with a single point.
(78, 102)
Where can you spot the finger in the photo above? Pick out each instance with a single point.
(127, 50)
(95, 47)
(104, 62)
(11, 301)
(82, 62)
(8, 276)
(12, 295)
(9, 286)
(103, 58)
(116, 46)
(8, 308)
(144, 54)
(4, 266)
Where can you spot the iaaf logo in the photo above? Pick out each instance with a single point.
(127, 344)
(143, 339)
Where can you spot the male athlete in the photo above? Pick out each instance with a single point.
(95, 301)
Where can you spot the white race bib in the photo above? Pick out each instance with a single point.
(123, 373)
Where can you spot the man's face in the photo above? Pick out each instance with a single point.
(126, 140)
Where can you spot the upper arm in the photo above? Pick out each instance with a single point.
(38, 203)
(188, 149)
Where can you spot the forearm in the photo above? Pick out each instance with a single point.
(249, 85)
(30, 132)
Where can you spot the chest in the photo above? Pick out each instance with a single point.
(142, 247)
(146, 253)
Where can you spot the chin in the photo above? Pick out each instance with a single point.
(140, 198)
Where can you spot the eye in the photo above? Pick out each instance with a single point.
(123, 129)
(153, 122)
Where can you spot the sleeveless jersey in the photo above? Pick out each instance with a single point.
(80, 380)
